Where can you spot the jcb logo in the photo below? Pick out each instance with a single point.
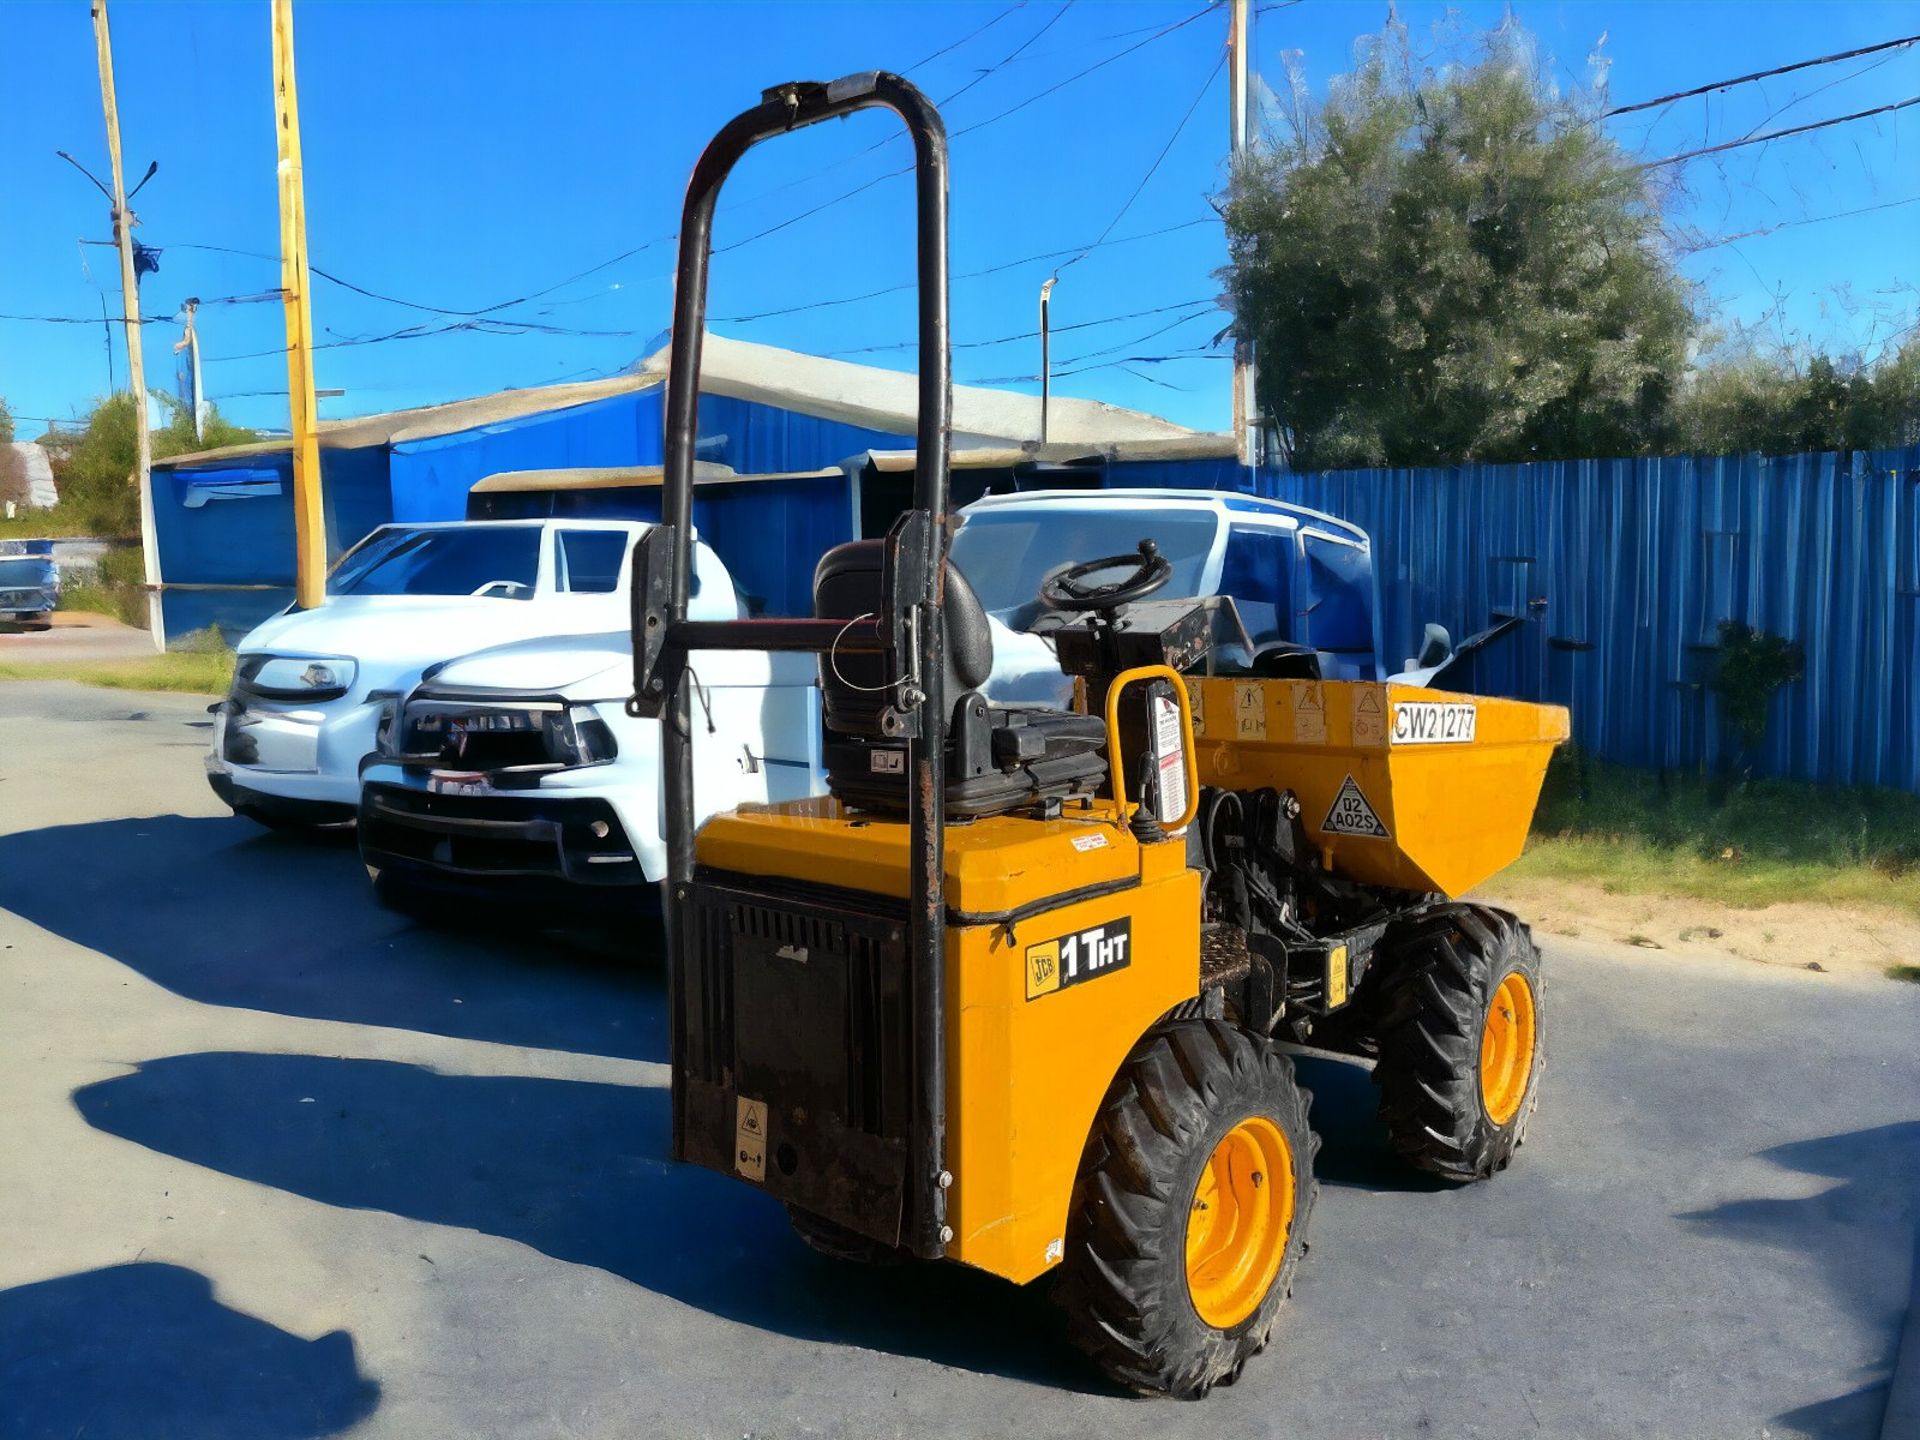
(1083, 955)
(1043, 968)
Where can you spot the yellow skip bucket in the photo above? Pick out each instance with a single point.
(1399, 786)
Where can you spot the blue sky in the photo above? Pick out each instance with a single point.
(462, 156)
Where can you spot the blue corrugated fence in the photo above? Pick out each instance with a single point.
(1627, 568)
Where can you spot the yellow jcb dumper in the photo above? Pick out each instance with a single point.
(1015, 993)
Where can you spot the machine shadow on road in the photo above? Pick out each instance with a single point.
(1354, 1153)
(140, 1350)
(218, 911)
(1833, 1233)
(578, 1171)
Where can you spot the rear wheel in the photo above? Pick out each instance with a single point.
(1191, 1212)
(1459, 1035)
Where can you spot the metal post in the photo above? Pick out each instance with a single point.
(130, 303)
(190, 342)
(1046, 358)
(1246, 429)
(309, 517)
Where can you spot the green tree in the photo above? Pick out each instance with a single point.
(12, 473)
(95, 464)
(1454, 264)
(1777, 403)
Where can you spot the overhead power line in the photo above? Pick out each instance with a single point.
(1158, 160)
(978, 125)
(1026, 334)
(1034, 259)
(83, 320)
(970, 35)
(631, 252)
(1778, 134)
(1765, 230)
(1010, 56)
(1714, 85)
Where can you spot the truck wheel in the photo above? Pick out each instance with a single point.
(837, 1242)
(1190, 1215)
(1459, 1033)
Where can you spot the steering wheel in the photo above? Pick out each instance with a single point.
(506, 589)
(1070, 589)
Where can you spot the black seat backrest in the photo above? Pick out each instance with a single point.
(850, 582)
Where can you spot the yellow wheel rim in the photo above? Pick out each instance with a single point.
(1506, 1049)
(1238, 1226)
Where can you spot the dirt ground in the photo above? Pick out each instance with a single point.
(1865, 939)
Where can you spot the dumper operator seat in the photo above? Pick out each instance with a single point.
(999, 757)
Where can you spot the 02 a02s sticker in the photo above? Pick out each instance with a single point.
(1078, 957)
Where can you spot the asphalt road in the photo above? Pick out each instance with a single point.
(276, 1163)
(77, 635)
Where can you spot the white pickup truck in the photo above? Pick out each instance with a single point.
(312, 688)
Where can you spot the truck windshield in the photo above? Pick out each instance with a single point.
(23, 572)
(1005, 554)
(501, 561)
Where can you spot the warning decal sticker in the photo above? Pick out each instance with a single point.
(1369, 723)
(1352, 815)
(1309, 714)
(750, 1138)
(1249, 712)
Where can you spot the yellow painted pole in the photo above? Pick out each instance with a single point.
(309, 518)
(130, 301)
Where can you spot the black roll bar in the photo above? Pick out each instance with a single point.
(913, 632)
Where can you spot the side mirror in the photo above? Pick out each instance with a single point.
(651, 582)
(1434, 649)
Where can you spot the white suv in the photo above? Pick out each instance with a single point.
(312, 687)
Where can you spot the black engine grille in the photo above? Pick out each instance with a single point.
(801, 1004)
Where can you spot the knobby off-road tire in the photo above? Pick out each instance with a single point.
(1459, 1033)
(1197, 1101)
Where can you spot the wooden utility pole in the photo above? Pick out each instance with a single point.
(1246, 427)
(309, 519)
(130, 301)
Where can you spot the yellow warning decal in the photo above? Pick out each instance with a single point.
(1249, 712)
(1336, 977)
(750, 1138)
(1369, 717)
(1309, 714)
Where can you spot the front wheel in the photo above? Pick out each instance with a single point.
(1460, 1040)
(1191, 1210)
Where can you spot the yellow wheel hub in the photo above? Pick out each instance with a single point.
(1506, 1049)
(1238, 1227)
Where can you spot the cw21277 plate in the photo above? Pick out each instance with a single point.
(1433, 722)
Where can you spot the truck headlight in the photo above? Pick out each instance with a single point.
(593, 738)
(296, 677)
(386, 729)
